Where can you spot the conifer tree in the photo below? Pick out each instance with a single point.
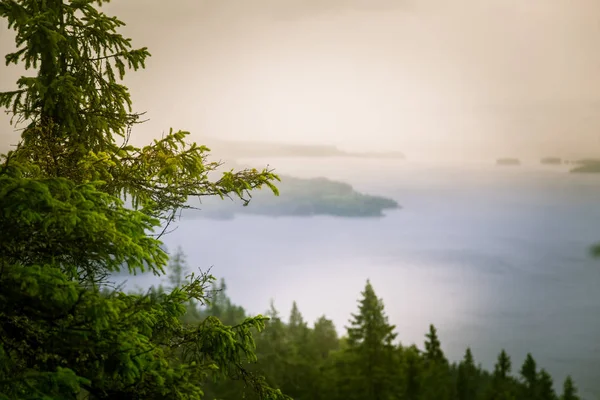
(178, 269)
(436, 380)
(503, 366)
(325, 338)
(299, 363)
(530, 378)
(546, 389)
(324, 344)
(433, 348)
(370, 338)
(64, 225)
(273, 348)
(297, 327)
(569, 390)
(502, 387)
(78, 118)
(412, 372)
(466, 384)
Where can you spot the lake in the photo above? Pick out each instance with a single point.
(495, 257)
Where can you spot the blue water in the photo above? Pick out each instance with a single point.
(495, 257)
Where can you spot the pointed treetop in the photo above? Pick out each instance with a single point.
(468, 358)
(569, 390)
(273, 313)
(529, 371)
(296, 319)
(546, 386)
(433, 347)
(371, 324)
(503, 366)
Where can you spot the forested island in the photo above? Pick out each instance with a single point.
(300, 197)
(508, 161)
(551, 161)
(587, 165)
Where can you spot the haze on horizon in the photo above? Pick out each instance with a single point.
(467, 79)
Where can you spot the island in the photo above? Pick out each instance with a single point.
(587, 165)
(551, 161)
(508, 161)
(256, 149)
(299, 198)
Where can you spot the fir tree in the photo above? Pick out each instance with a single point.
(75, 111)
(502, 387)
(178, 269)
(546, 389)
(467, 378)
(273, 348)
(299, 362)
(503, 366)
(569, 390)
(436, 380)
(530, 378)
(370, 338)
(325, 338)
(297, 327)
(433, 348)
(412, 371)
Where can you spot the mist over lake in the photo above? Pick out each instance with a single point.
(495, 257)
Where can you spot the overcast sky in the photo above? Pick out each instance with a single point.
(470, 78)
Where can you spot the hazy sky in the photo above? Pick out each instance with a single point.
(469, 78)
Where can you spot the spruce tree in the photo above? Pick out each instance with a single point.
(273, 348)
(436, 380)
(546, 389)
(466, 383)
(530, 378)
(370, 347)
(325, 337)
(503, 366)
(178, 269)
(299, 363)
(569, 390)
(412, 373)
(77, 119)
(297, 327)
(433, 348)
(502, 387)
(65, 226)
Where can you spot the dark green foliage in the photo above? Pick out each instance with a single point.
(466, 383)
(546, 390)
(325, 339)
(370, 350)
(502, 367)
(502, 385)
(569, 390)
(530, 378)
(412, 373)
(436, 380)
(433, 348)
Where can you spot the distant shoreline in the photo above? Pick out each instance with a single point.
(241, 149)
